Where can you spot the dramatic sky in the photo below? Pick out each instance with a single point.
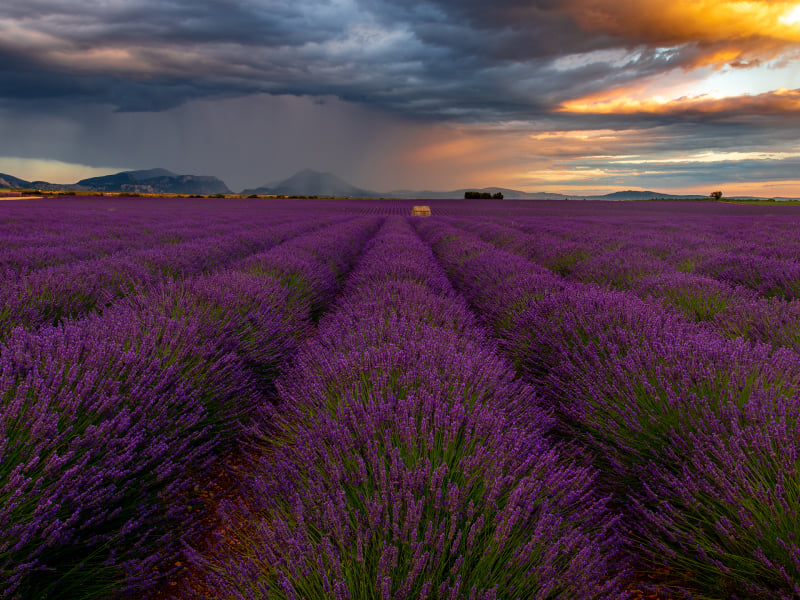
(541, 95)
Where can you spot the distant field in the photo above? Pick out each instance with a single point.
(766, 202)
(507, 399)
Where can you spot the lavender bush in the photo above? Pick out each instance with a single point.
(399, 454)
(107, 421)
(50, 295)
(99, 424)
(405, 461)
(691, 274)
(690, 429)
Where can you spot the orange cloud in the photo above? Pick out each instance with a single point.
(629, 101)
(461, 148)
(733, 32)
(681, 21)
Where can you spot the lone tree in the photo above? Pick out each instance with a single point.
(716, 195)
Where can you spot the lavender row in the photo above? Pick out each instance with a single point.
(51, 295)
(730, 309)
(760, 256)
(406, 461)
(623, 265)
(93, 240)
(695, 434)
(677, 236)
(106, 423)
(43, 247)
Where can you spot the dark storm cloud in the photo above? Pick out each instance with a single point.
(441, 59)
(32, 86)
(451, 60)
(273, 23)
(152, 56)
(503, 70)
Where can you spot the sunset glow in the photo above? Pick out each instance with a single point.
(619, 103)
(792, 17)
(681, 21)
(585, 95)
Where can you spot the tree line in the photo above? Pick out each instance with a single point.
(482, 196)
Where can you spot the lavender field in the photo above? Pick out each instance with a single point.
(331, 399)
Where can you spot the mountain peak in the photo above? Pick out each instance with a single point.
(309, 182)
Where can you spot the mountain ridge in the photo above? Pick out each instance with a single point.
(149, 181)
(155, 181)
(306, 182)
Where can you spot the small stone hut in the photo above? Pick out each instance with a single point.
(421, 211)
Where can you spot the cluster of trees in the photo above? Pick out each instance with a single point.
(483, 196)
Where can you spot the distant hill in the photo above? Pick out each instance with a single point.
(55, 187)
(508, 194)
(313, 183)
(640, 195)
(155, 181)
(150, 181)
(11, 182)
(511, 194)
(303, 183)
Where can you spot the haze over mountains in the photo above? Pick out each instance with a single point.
(313, 183)
(303, 183)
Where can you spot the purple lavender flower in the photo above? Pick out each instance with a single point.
(689, 429)
(106, 421)
(405, 457)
